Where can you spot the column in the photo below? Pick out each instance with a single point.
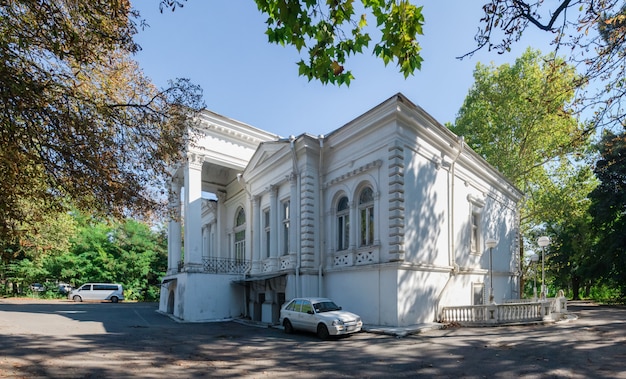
(274, 214)
(257, 232)
(174, 240)
(193, 213)
(221, 244)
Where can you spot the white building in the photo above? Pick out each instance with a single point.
(387, 215)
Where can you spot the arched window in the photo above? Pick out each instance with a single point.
(240, 235)
(366, 216)
(343, 224)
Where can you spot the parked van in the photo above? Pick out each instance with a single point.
(98, 291)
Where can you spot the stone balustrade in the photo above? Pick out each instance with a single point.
(509, 312)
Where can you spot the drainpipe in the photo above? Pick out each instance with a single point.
(292, 141)
(321, 218)
(451, 246)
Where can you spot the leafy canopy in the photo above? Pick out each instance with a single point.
(591, 33)
(608, 209)
(517, 117)
(329, 32)
(80, 122)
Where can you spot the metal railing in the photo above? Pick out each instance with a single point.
(225, 265)
(216, 265)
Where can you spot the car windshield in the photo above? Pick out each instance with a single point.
(326, 306)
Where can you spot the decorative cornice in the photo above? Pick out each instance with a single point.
(359, 170)
(231, 133)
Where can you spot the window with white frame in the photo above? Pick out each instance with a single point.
(240, 235)
(478, 293)
(286, 211)
(476, 215)
(267, 236)
(366, 216)
(343, 224)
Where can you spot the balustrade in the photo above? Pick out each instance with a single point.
(508, 312)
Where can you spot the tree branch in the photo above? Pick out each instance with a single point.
(524, 9)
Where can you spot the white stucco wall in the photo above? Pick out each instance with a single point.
(371, 293)
(426, 217)
(202, 297)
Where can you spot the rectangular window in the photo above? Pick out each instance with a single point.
(286, 218)
(478, 290)
(343, 232)
(475, 232)
(367, 226)
(476, 206)
(266, 225)
(240, 245)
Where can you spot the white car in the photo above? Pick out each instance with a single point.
(318, 315)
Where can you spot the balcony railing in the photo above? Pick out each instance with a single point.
(221, 265)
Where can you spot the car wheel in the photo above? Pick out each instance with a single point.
(114, 299)
(322, 332)
(77, 298)
(288, 327)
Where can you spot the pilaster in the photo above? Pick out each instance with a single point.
(193, 213)
(174, 237)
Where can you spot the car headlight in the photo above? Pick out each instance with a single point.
(337, 322)
(358, 319)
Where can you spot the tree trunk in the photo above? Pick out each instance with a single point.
(575, 287)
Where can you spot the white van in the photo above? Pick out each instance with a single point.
(98, 291)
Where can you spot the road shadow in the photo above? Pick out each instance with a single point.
(143, 343)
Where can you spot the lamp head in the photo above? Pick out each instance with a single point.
(491, 243)
(543, 241)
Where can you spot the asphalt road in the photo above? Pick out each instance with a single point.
(61, 339)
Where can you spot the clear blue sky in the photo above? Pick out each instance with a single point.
(221, 45)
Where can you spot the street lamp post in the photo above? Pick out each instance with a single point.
(543, 242)
(491, 243)
(534, 258)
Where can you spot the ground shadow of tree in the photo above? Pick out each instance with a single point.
(590, 347)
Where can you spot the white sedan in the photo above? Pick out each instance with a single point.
(318, 315)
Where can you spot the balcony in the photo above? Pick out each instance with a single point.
(214, 265)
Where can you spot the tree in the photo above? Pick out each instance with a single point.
(608, 209)
(331, 31)
(592, 34)
(517, 118)
(80, 123)
(127, 252)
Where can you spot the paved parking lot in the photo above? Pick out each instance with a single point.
(61, 339)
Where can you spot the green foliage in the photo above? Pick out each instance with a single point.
(80, 122)
(604, 293)
(593, 33)
(517, 117)
(331, 31)
(130, 253)
(608, 210)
